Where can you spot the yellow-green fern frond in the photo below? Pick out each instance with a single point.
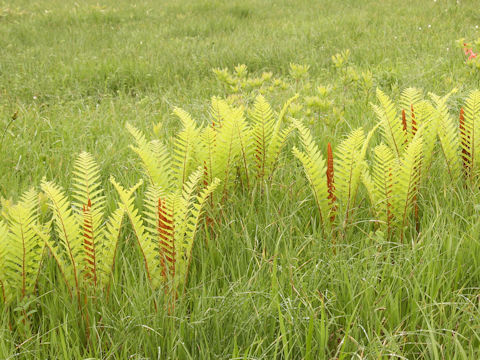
(107, 248)
(68, 248)
(144, 241)
(348, 169)
(3, 259)
(184, 147)
(471, 135)
(90, 204)
(155, 159)
(383, 180)
(21, 250)
(262, 128)
(392, 130)
(448, 134)
(278, 138)
(315, 169)
(407, 180)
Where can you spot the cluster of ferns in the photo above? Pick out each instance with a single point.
(201, 165)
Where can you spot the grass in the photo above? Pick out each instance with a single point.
(266, 285)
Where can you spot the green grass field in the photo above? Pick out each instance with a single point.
(266, 283)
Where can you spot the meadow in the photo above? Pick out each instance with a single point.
(269, 276)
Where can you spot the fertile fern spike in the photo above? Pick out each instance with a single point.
(160, 227)
(184, 147)
(448, 135)
(392, 128)
(155, 159)
(407, 179)
(263, 124)
(465, 144)
(349, 165)
(21, 248)
(383, 178)
(315, 170)
(330, 181)
(470, 136)
(88, 197)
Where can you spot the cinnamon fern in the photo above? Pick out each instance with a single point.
(166, 230)
(21, 248)
(84, 245)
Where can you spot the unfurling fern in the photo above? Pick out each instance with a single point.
(167, 229)
(21, 249)
(84, 246)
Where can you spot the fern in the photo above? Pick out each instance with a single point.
(348, 169)
(392, 129)
(21, 249)
(315, 170)
(155, 158)
(166, 231)
(262, 130)
(84, 246)
(409, 99)
(407, 179)
(184, 147)
(278, 139)
(470, 134)
(383, 180)
(448, 135)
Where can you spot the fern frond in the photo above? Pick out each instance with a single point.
(448, 135)
(262, 129)
(159, 223)
(348, 166)
(278, 138)
(69, 248)
(22, 248)
(191, 222)
(470, 137)
(407, 180)
(392, 129)
(184, 147)
(155, 158)
(145, 242)
(383, 180)
(88, 197)
(107, 249)
(315, 170)
(3, 260)
(409, 99)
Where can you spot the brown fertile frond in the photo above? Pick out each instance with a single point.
(330, 181)
(166, 242)
(466, 144)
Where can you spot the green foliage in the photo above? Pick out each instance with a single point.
(84, 245)
(21, 248)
